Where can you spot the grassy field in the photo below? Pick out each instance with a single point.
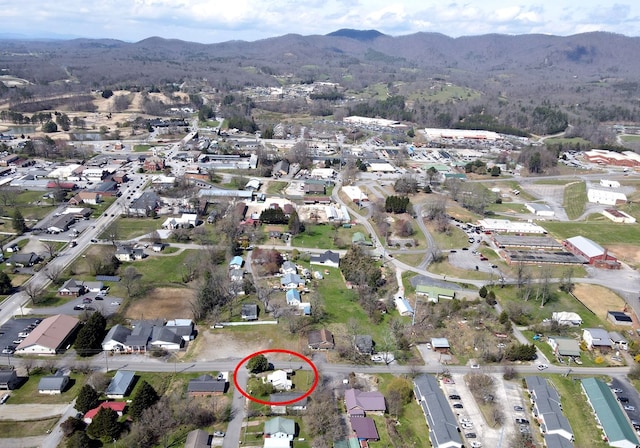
(128, 228)
(276, 187)
(601, 232)
(560, 302)
(324, 236)
(142, 148)
(11, 429)
(32, 206)
(161, 271)
(28, 392)
(575, 197)
(630, 138)
(456, 240)
(578, 412)
(566, 141)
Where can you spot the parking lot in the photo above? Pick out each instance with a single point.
(623, 389)
(107, 305)
(10, 330)
(470, 417)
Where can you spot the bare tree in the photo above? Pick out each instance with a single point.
(53, 272)
(131, 281)
(50, 247)
(34, 292)
(544, 286)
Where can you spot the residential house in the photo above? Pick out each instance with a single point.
(293, 297)
(185, 221)
(236, 262)
(281, 168)
(54, 384)
(72, 288)
(280, 380)
(291, 281)
(547, 408)
(280, 428)
(86, 197)
(206, 385)
(298, 405)
(23, 260)
(121, 384)
(443, 426)
(8, 378)
(129, 253)
(596, 338)
(252, 185)
(117, 406)
(618, 341)
(185, 328)
(610, 417)
(358, 239)
(364, 428)
(116, 338)
(403, 306)
(435, 293)
(50, 337)
(320, 340)
(315, 189)
(440, 345)
(359, 403)
(364, 344)
(329, 258)
(145, 204)
(157, 247)
(289, 267)
(163, 338)
(562, 346)
(249, 311)
(236, 275)
(198, 438)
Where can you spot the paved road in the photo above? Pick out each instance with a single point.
(234, 429)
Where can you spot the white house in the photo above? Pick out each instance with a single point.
(596, 338)
(186, 221)
(328, 258)
(280, 380)
(567, 318)
(540, 209)
(403, 307)
(115, 338)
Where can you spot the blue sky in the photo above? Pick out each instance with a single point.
(209, 21)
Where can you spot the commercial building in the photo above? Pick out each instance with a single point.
(591, 251)
(51, 336)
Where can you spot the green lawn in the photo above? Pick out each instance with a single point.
(128, 228)
(28, 392)
(575, 197)
(276, 187)
(456, 240)
(160, 271)
(324, 236)
(578, 412)
(12, 429)
(560, 302)
(600, 232)
(630, 138)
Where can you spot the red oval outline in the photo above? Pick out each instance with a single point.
(277, 403)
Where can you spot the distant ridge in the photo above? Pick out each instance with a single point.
(362, 35)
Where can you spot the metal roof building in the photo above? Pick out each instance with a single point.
(443, 427)
(609, 414)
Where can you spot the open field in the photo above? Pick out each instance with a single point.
(603, 233)
(12, 429)
(327, 236)
(575, 198)
(598, 299)
(276, 187)
(128, 228)
(166, 303)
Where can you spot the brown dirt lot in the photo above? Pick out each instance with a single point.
(162, 303)
(598, 299)
(630, 254)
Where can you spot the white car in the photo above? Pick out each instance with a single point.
(629, 408)
(542, 366)
(475, 444)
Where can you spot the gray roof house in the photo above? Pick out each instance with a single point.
(249, 311)
(443, 426)
(291, 281)
(364, 344)
(329, 258)
(206, 385)
(53, 385)
(121, 384)
(23, 260)
(198, 438)
(116, 338)
(547, 408)
(8, 379)
(282, 397)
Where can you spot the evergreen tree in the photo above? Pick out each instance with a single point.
(295, 226)
(258, 364)
(105, 425)
(19, 224)
(87, 399)
(144, 398)
(5, 283)
(79, 439)
(90, 336)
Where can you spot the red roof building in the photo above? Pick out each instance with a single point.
(117, 406)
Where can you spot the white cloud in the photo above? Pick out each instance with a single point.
(207, 21)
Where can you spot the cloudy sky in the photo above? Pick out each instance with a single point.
(211, 21)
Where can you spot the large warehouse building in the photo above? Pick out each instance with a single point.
(592, 252)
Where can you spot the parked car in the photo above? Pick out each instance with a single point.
(616, 390)
(623, 399)
(8, 350)
(522, 421)
(458, 405)
(542, 366)
(218, 434)
(475, 444)
(628, 407)
(470, 435)
(4, 398)
(518, 408)
(455, 397)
